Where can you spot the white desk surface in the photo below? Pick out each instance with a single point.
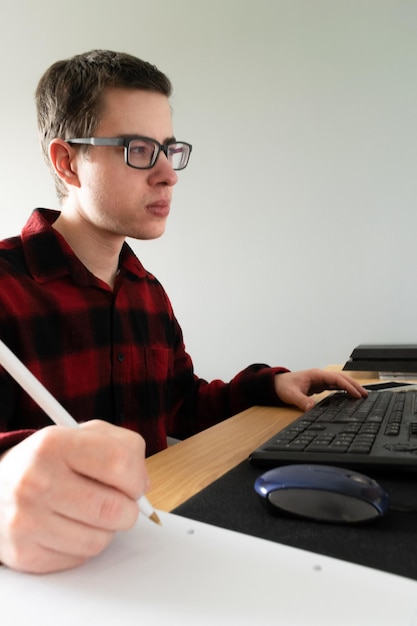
(187, 573)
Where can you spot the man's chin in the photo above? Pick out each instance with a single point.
(148, 235)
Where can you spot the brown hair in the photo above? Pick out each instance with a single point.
(69, 95)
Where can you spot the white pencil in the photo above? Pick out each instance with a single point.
(51, 406)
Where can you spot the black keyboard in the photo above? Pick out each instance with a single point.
(378, 432)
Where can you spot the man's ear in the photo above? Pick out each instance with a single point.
(63, 159)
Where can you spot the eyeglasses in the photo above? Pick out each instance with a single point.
(143, 152)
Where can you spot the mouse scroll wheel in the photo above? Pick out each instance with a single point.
(360, 479)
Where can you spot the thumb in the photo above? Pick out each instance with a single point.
(308, 404)
(303, 402)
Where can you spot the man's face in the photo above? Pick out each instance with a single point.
(114, 199)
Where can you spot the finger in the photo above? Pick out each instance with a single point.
(340, 381)
(56, 545)
(90, 502)
(111, 455)
(38, 560)
(350, 385)
(71, 538)
(300, 400)
(306, 404)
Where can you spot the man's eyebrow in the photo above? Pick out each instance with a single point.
(136, 136)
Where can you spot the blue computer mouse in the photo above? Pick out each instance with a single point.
(322, 493)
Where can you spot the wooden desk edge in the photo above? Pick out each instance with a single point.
(185, 468)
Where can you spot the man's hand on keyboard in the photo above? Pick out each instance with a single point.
(297, 387)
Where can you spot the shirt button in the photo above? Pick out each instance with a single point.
(120, 357)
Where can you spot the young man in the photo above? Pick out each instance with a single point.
(78, 308)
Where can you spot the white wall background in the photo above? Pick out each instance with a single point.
(293, 231)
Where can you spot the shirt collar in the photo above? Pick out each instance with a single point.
(49, 257)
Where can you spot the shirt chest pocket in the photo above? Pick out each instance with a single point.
(149, 365)
(142, 382)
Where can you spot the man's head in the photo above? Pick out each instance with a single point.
(69, 96)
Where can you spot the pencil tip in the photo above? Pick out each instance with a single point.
(155, 519)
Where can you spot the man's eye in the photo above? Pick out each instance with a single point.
(140, 150)
(175, 149)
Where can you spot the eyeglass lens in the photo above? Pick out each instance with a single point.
(143, 153)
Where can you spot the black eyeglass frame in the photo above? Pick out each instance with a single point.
(126, 141)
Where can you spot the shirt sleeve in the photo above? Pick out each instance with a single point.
(252, 386)
(199, 404)
(12, 438)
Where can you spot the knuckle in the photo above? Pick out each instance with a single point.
(110, 510)
(31, 486)
(96, 542)
(125, 465)
(117, 512)
(118, 461)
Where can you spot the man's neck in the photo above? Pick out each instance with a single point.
(99, 254)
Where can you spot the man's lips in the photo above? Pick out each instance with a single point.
(159, 209)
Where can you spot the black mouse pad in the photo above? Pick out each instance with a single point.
(388, 544)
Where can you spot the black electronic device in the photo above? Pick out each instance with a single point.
(375, 433)
(385, 358)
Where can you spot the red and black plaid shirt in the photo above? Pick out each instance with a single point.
(116, 355)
